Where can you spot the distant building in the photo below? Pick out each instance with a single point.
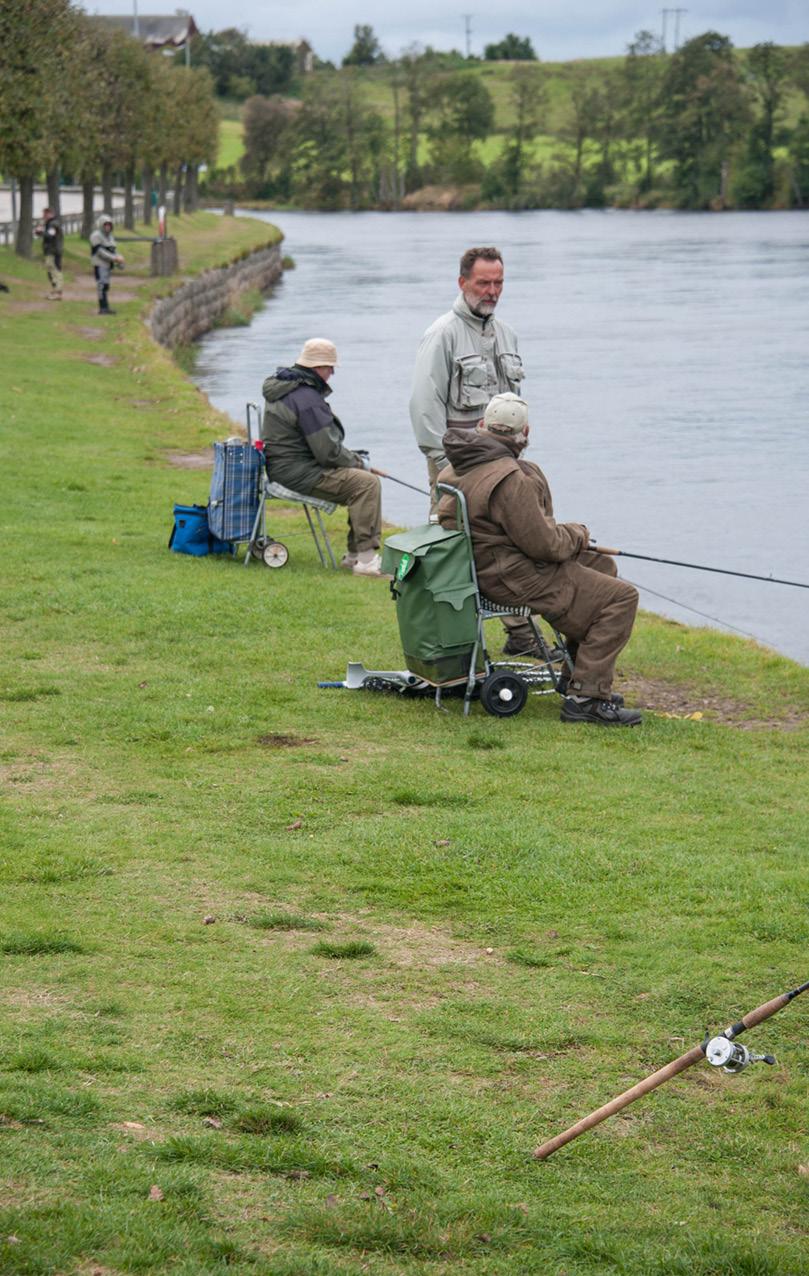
(304, 53)
(162, 31)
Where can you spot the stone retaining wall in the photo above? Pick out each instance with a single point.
(195, 307)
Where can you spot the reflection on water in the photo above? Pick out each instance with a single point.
(666, 359)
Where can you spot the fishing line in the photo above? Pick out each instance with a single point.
(724, 623)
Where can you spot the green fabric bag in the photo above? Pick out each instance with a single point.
(435, 600)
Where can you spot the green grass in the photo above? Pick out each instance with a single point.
(231, 143)
(553, 912)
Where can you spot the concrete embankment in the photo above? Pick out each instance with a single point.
(195, 307)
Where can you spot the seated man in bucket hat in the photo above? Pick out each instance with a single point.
(524, 557)
(304, 449)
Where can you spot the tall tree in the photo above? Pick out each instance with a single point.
(36, 41)
(528, 98)
(766, 74)
(266, 124)
(366, 49)
(462, 112)
(704, 112)
(643, 69)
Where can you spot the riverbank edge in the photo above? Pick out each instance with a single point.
(199, 304)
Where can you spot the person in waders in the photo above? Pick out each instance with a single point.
(105, 257)
(305, 450)
(524, 557)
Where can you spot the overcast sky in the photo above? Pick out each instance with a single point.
(559, 29)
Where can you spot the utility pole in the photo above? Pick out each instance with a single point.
(677, 13)
(467, 21)
(665, 16)
(135, 22)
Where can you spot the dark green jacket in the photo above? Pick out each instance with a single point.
(302, 436)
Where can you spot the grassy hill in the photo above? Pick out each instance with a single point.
(294, 980)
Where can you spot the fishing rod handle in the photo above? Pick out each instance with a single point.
(687, 1060)
(757, 1016)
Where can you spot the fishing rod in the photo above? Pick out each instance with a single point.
(721, 1051)
(384, 474)
(699, 567)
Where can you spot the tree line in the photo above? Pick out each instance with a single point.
(83, 104)
(704, 127)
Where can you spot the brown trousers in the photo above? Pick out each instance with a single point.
(597, 622)
(361, 491)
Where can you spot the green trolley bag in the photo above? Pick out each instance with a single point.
(435, 601)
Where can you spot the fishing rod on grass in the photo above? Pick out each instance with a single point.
(721, 1051)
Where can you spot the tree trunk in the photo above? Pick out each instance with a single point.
(54, 189)
(88, 189)
(106, 189)
(190, 190)
(24, 240)
(129, 212)
(164, 178)
(147, 178)
(178, 191)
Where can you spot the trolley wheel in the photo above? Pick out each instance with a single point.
(257, 547)
(503, 694)
(275, 554)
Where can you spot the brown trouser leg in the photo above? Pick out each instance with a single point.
(361, 491)
(598, 620)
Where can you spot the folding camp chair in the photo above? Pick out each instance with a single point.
(504, 687)
(273, 553)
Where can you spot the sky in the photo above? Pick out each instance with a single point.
(558, 29)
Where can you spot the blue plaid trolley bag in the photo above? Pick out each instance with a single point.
(235, 485)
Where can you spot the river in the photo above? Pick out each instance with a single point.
(667, 361)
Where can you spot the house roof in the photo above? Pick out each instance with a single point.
(156, 31)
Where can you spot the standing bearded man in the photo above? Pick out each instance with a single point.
(465, 358)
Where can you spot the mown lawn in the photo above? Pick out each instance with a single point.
(294, 980)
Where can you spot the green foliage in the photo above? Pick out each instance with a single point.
(366, 49)
(240, 68)
(512, 48)
(704, 113)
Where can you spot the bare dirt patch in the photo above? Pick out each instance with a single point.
(684, 702)
(32, 998)
(188, 460)
(102, 360)
(275, 741)
(91, 334)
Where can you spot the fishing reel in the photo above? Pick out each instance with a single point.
(732, 1056)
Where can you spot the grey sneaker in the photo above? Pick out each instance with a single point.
(599, 713)
(348, 561)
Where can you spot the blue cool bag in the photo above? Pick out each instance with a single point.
(191, 534)
(234, 498)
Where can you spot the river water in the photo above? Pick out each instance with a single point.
(667, 362)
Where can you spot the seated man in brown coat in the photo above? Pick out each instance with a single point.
(524, 557)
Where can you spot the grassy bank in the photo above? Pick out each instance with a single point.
(293, 981)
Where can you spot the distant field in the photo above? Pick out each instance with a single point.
(231, 146)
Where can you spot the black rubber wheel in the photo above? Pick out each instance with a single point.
(275, 554)
(257, 547)
(503, 694)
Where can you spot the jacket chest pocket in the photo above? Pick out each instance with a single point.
(510, 366)
(470, 382)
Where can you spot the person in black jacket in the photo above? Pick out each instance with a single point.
(305, 450)
(50, 231)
